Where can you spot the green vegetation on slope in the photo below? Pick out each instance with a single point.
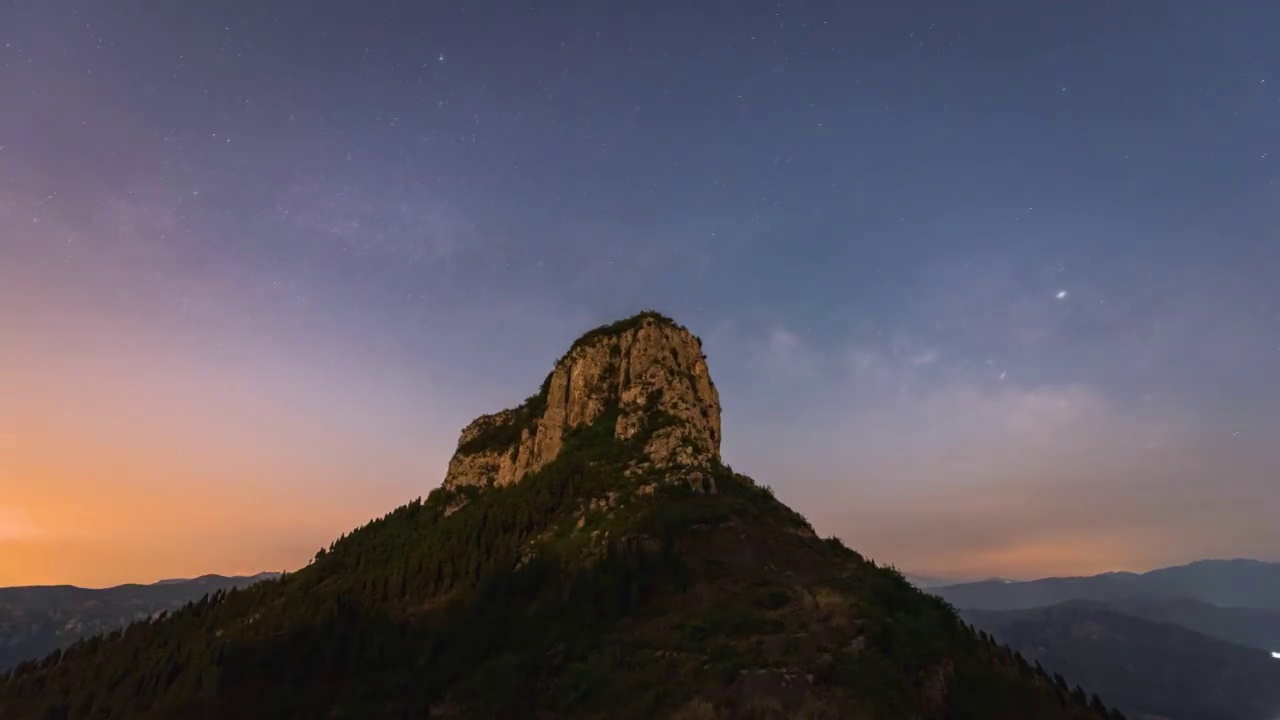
(578, 592)
(621, 326)
(449, 592)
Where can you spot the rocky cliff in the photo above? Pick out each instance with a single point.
(647, 369)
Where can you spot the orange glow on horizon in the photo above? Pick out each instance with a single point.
(1066, 557)
(62, 526)
(128, 456)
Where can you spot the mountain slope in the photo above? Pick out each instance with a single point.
(1227, 599)
(1145, 667)
(36, 620)
(1232, 583)
(588, 556)
(1253, 627)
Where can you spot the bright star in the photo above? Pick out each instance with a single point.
(1062, 294)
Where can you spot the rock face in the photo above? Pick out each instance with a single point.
(647, 368)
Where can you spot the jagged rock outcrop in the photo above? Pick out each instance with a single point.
(647, 369)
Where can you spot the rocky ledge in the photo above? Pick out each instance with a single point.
(647, 369)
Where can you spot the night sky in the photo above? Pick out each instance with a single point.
(988, 288)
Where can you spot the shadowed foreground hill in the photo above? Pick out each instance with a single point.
(589, 556)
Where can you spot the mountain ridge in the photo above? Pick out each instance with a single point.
(1150, 667)
(195, 580)
(1156, 643)
(37, 619)
(1243, 583)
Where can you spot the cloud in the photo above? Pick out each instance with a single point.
(388, 222)
(780, 355)
(785, 348)
(15, 525)
(991, 430)
(927, 357)
(962, 478)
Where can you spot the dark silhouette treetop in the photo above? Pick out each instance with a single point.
(621, 326)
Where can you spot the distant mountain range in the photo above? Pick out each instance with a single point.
(1147, 668)
(1192, 642)
(1227, 583)
(36, 620)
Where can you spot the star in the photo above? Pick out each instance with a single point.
(1062, 294)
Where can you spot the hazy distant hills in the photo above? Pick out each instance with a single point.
(1229, 583)
(1146, 668)
(36, 620)
(1255, 627)
(1191, 642)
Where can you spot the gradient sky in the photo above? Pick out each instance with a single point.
(988, 288)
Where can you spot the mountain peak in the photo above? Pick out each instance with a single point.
(611, 567)
(647, 373)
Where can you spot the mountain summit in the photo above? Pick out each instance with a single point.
(589, 555)
(648, 371)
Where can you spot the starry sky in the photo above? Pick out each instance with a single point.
(988, 288)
